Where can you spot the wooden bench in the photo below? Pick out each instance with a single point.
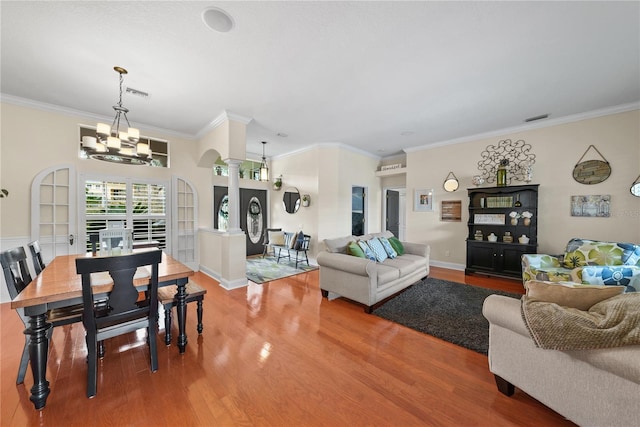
(167, 297)
(298, 250)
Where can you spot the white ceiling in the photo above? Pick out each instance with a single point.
(356, 73)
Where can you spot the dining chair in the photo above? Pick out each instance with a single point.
(125, 311)
(167, 298)
(36, 255)
(17, 277)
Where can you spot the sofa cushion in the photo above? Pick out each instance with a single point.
(387, 247)
(338, 245)
(355, 250)
(386, 274)
(368, 253)
(620, 275)
(406, 264)
(377, 249)
(572, 295)
(397, 245)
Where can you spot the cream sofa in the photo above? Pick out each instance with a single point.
(366, 281)
(589, 387)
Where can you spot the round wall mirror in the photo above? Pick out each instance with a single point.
(635, 187)
(451, 183)
(291, 200)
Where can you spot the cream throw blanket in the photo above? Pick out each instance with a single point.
(614, 322)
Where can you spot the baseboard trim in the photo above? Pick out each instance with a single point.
(449, 265)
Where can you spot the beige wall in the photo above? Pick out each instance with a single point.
(326, 173)
(32, 140)
(557, 149)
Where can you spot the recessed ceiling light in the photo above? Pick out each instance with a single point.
(217, 19)
(406, 133)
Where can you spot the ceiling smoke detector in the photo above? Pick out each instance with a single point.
(217, 20)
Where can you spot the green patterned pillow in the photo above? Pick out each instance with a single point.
(397, 245)
(355, 250)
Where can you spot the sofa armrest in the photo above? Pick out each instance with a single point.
(504, 312)
(348, 263)
(419, 249)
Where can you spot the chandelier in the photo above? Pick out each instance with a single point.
(116, 146)
(264, 170)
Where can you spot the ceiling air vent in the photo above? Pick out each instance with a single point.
(533, 119)
(136, 92)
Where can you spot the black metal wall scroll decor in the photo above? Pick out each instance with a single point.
(517, 153)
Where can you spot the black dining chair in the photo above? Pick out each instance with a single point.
(36, 255)
(125, 311)
(17, 277)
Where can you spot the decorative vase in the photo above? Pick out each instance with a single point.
(514, 221)
(527, 221)
(501, 176)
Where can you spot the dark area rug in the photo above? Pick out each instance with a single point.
(446, 310)
(260, 270)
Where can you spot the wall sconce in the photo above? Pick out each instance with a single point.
(451, 183)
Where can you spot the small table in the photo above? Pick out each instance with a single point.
(59, 285)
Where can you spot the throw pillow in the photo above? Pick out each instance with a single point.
(276, 238)
(368, 253)
(574, 295)
(377, 249)
(397, 245)
(355, 250)
(299, 241)
(620, 275)
(387, 247)
(292, 241)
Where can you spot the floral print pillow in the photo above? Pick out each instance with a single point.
(581, 252)
(613, 275)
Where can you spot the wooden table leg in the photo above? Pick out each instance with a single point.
(181, 310)
(38, 351)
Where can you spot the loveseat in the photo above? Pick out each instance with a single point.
(369, 281)
(597, 387)
(589, 262)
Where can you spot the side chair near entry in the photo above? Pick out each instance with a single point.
(124, 312)
(17, 277)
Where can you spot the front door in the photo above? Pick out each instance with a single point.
(253, 215)
(393, 212)
(357, 211)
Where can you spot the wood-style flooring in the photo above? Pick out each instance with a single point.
(275, 354)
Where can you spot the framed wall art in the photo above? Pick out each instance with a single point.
(423, 201)
(591, 206)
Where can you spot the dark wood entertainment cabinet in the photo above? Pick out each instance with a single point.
(489, 210)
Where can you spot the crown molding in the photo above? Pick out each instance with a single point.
(51, 108)
(221, 118)
(623, 108)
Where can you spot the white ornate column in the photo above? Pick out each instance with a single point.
(234, 195)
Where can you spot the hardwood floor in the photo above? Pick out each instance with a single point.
(275, 354)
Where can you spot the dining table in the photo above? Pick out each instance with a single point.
(58, 285)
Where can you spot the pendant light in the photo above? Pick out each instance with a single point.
(264, 170)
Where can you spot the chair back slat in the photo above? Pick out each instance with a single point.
(16, 271)
(36, 255)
